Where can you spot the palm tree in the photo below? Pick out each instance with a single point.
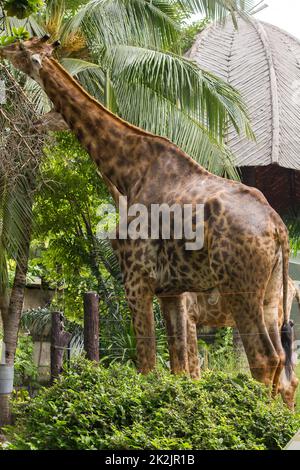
(127, 54)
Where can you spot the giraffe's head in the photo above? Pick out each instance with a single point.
(27, 56)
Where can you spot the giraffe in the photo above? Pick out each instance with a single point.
(202, 309)
(245, 252)
(211, 310)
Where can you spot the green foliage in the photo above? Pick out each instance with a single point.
(25, 370)
(22, 8)
(17, 34)
(37, 321)
(220, 354)
(92, 407)
(188, 35)
(292, 222)
(118, 342)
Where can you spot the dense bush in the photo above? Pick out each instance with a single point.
(92, 407)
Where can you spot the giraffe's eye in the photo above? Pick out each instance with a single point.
(36, 60)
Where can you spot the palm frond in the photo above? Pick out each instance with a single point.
(207, 98)
(20, 152)
(31, 24)
(76, 344)
(54, 17)
(4, 278)
(175, 124)
(90, 75)
(16, 214)
(218, 10)
(37, 322)
(37, 96)
(108, 258)
(127, 21)
(75, 66)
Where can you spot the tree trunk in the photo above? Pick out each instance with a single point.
(5, 413)
(59, 342)
(11, 321)
(4, 305)
(91, 325)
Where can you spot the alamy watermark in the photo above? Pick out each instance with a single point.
(156, 222)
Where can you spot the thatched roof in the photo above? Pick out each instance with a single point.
(263, 62)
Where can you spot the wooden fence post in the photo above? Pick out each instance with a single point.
(91, 325)
(59, 341)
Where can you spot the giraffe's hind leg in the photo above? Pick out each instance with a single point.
(274, 317)
(174, 313)
(271, 319)
(192, 314)
(192, 346)
(288, 388)
(248, 313)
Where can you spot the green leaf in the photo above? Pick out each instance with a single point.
(22, 8)
(205, 97)
(218, 10)
(121, 21)
(17, 34)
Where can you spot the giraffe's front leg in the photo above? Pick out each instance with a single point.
(144, 329)
(192, 316)
(176, 323)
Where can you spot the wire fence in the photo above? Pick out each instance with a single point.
(209, 359)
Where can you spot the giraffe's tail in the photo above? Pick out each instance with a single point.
(287, 331)
(297, 296)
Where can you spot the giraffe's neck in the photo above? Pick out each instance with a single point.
(118, 149)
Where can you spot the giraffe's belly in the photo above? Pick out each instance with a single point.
(166, 266)
(180, 271)
(209, 309)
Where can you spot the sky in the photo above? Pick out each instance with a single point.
(282, 13)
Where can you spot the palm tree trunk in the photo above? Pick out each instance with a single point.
(4, 304)
(11, 322)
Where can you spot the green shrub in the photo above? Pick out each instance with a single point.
(92, 407)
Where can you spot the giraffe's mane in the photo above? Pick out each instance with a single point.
(135, 129)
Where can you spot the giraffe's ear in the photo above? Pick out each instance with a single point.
(45, 38)
(56, 44)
